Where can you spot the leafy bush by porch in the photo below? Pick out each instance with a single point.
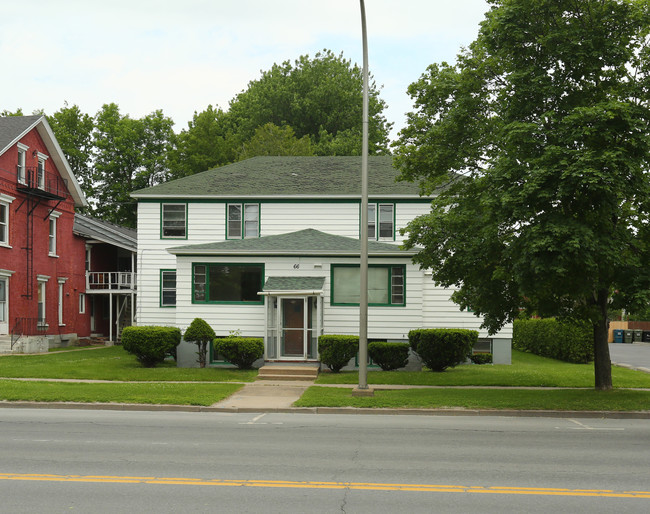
(441, 348)
(337, 350)
(150, 344)
(240, 351)
(565, 341)
(389, 356)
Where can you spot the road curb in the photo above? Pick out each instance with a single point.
(332, 410)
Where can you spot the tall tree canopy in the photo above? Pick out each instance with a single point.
(74, 130)
(129, 154)
(319, 98)
(541, 134)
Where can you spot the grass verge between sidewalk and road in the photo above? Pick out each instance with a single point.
(526, 370)
(147, 393)
(516, 399)
(111, 363)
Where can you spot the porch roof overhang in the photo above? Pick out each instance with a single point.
(275, 286)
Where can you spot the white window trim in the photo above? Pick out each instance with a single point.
(61, 281)
(42, 281)
(54, 216)
(42, 158)
(82, 303)
(6, 200)
(22, 149)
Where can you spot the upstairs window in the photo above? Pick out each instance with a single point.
(52, 234)
(20, 167)
(41, 170)
(174, 221)
(381, 221)
(4, 224)
(243, 220)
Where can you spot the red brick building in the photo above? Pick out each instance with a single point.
(41, 278)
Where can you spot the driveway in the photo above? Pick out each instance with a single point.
(635, 355)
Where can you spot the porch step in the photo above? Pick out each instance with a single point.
(278, 372)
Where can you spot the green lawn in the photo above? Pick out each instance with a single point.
(149, 393)
(526, 370)
(110, 363)
(518, 399)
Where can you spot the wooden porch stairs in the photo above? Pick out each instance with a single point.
(289, 372)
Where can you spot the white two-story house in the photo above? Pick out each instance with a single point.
(269, 247)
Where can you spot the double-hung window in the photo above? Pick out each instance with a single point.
(52, 234)
(227, 283)
(173, 220)
(243, 220)
(20, 167)
(168, 288)
(4, 223)
(381, 221)
(41, 170)
(386, 285)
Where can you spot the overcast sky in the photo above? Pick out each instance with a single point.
(182, 55)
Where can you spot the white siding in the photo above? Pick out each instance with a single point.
(439, 311)
(341, 219)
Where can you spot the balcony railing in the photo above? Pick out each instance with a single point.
(33, 178)
(110, 280)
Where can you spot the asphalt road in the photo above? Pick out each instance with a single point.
(105, 461)
(635, 355)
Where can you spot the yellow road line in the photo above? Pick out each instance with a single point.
(429, 488)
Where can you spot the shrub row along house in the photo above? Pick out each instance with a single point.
(269, 247)
(62, 275)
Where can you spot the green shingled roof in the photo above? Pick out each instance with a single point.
(294, 284)
(286, 177)
(303, 242)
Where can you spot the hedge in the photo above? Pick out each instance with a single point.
(389, 356)
(337, 350)
(565, 341)
(241, 351)
(150, 344)
(441, 348)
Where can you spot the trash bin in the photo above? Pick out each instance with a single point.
(618, 335)
(646, 336)
(629, 336)
(638, 336)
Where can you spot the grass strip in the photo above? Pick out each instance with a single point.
(149, 393)
(518, 399)
(526, 370)
(111, 363)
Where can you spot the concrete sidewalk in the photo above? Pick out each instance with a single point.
(265, 395)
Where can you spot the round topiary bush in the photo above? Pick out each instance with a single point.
(241, 351)
(389, 356)
(440, 349)
(200, 333)
(337, 350)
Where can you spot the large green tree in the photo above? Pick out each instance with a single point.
(74, 132)
(270, 139)
(540, 136)
(319, 97)
(130, 154)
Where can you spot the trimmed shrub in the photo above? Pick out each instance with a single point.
(150, 344)
(337, 350)
(201, 334)
(389, 356)
(481, 358)
(441, 348)
(241, 351)
(565, 341)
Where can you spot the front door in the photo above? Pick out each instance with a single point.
(293, 336)
(4, 306)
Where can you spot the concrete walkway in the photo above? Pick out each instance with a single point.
(265, 395)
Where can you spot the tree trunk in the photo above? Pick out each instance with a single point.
(602, 362)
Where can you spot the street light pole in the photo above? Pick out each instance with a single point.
(363, 389)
